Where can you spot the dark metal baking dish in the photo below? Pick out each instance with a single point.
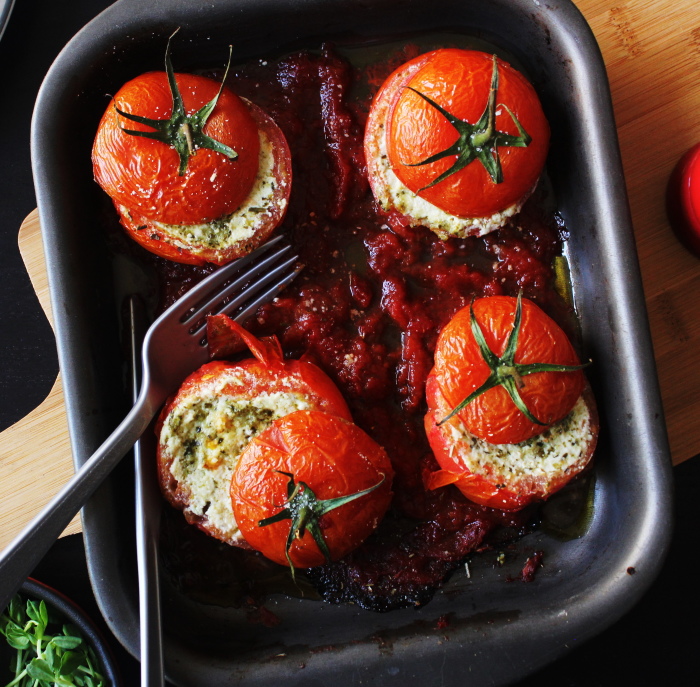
(495, 632)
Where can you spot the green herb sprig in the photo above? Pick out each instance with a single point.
(48, 653)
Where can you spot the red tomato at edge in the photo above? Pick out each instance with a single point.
(683, 200)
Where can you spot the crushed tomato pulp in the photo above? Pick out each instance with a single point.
(368, 308)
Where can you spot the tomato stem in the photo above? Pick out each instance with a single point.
(305, 510)
(478, 141)
(183, 132)
(187, 131)
(505, 371)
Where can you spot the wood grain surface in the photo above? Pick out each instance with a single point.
(651, 50)
(35, 453)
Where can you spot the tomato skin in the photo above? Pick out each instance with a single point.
(257, 377)
(415, 130)
(334, 458)
(460, 369)
(149, 237)
(154, 239)
(683, 200)
(492, 489)
(142, 174)
(476, 488)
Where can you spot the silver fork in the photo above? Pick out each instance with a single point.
(148, 513)
(173, 347)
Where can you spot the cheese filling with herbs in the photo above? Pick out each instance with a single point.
(206, 434)
(392, 193)
(239, 226)
(541, 458)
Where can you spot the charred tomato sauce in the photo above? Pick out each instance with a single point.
(368, 308)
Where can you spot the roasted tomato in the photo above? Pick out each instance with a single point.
(456, 141)
(508, 418)
(196, 173)
(513, 366)
(310, 489)
(216, 412)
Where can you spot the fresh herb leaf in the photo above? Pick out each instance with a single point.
(48, 655)
(17, 638)
(39, 669)
(64, 642)
(70, 662)
(34, 613)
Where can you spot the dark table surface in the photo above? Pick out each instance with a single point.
(653, 644)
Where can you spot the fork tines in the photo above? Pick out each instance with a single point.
(245, 284)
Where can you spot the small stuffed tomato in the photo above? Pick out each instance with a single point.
(510, 417)
(217, 411)
(192, 183)
(456, 141)
(310, 489)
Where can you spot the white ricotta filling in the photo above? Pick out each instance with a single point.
(242, 224)
(540, 458)
(395, 195)
(206, 434)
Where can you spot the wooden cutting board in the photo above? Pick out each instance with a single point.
(35, 453)
(652, 52)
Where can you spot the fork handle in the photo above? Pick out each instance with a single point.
(147, 529)
(23, 554)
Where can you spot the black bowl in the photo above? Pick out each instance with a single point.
(73, 614)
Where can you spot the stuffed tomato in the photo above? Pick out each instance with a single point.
(217, 411)
(310, 489)
(510, 418)
(456, 141)
(197, 174)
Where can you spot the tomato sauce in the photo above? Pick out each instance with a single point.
(368, 308)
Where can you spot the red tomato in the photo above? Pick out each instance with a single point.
(683, 200)
(460, 369)
(160, 241)
(267, 373)
(142, 174)
(329, 455)
(459, 81)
